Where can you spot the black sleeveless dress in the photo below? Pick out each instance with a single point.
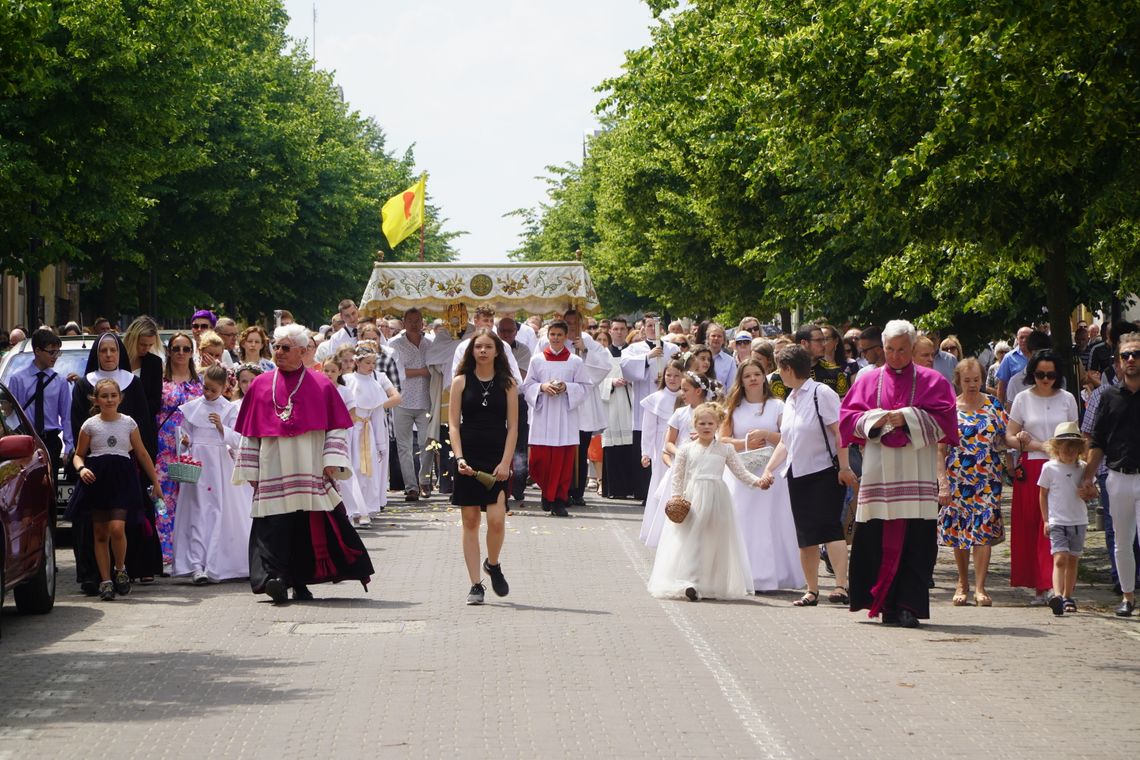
(483, 432)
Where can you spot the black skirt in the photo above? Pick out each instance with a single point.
(116, 487)
(303, 548)
(817, 507)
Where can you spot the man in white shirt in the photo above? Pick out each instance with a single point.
(724, 365)
(347, 334)
(508, 332)
(411, 356)
(642, 363)
(528, 331)
(484, 317)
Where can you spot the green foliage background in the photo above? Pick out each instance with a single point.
(960, 163)
(189, 137)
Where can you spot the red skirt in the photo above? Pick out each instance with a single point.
(1030, 559)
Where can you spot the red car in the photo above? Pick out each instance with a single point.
(27, 500)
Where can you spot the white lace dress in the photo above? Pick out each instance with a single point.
(706, 551)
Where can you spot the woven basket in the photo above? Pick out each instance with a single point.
(184, 473)
(677, 509)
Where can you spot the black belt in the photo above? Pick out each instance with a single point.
(1126, 470)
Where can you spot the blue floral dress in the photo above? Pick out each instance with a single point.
(169, 418)
(975, 468)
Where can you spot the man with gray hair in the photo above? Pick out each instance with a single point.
(227, 330)
(294, 444)
(899, 413)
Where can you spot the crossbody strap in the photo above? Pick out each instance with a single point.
(822, 427)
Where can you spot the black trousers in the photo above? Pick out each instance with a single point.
(642, 475)
(578, 486)
(520, 467)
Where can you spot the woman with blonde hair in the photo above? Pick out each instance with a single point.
(970, 487)
(145, 352)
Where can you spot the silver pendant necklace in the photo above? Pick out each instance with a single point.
(486, 388)
(285, 412)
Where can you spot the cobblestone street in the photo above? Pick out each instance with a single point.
(578, 661)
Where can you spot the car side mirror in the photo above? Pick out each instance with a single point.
(17, 447)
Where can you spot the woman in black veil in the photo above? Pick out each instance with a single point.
(108, 359)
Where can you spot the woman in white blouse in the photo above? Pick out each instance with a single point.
(1032, 419)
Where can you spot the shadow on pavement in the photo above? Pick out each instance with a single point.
(106, 688)
(980, 630)
(532, 608)
(343, 603)
(27, 633)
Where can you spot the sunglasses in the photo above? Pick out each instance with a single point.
(754, 328)
(1045, 375)
(1126, 355)
(203, 326)
(283, 349)
(181, 350)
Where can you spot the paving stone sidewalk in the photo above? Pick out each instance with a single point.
(578, 661)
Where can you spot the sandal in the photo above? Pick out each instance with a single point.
(983, 600)
(839, 596)
(1069, 604)
(810, 599)
(960, 598)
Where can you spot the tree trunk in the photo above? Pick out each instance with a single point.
(786, 321)
(1060, 307)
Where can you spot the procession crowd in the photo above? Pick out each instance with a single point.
(757, 457)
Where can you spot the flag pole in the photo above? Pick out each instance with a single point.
(423, 216)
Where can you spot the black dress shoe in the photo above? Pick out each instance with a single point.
(1124, 609)
(577, 501)
(411, 495)
(907, 619)
(545, 505)
(278, 591)
(90, 588)
(890, 618)
(302, 594)
(558, 509)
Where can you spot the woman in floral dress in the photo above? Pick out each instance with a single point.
(969, 491)
(180, 384)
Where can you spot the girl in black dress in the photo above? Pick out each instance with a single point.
(108, 359)
(483, 418)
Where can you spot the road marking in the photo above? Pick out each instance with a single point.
(755, 723)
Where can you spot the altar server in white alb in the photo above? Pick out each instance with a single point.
(556, 385)
(642, 364)
(211, 534)
(372, 394)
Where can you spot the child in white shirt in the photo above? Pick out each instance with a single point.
(1064, 511)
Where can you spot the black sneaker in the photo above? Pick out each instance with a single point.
(498, 582)
(107, 591)
(475, 596)
(122, 582)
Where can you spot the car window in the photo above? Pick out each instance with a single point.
(69, 363)
(9, 420)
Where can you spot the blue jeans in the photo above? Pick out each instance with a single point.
(1110, 533)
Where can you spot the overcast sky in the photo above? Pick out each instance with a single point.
(490, 93)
